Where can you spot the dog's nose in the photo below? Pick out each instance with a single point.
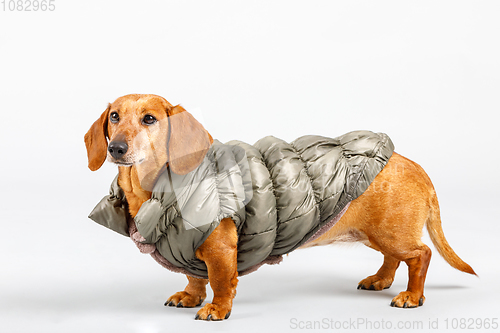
(117, 149)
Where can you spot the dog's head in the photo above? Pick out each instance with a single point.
(147, 128)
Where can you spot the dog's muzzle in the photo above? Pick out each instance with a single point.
(117, 149)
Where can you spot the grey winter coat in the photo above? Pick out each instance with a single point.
(279, 195)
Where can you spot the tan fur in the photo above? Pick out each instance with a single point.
(95, 141)
(388, 217)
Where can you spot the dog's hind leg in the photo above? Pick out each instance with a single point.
(418, 262)
(392, 217)
(417, 257)
(193, 295)
(384, 277)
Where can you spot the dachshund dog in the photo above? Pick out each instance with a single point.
(145, 138)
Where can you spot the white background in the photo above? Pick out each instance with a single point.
(425, 72)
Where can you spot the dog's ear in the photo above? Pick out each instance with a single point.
(96, 142)
(188, 141)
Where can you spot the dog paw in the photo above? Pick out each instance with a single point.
(183, 299)
(408, 299)
(214, 312)
(374, 282)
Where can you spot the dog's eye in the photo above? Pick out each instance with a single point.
(114, 117)
(148, 120)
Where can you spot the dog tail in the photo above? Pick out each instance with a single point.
(437, 236)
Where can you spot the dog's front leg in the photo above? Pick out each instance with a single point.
(193, 295)
(219, 252)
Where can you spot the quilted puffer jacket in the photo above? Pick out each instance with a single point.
(279, 195)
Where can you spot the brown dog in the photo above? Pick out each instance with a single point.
(388, 217)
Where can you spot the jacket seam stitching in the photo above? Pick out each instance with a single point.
(374, 153)
(214, 166)
(273, 187)
(301, 215)
(306, 168)
(258, 233)
(317, 200)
